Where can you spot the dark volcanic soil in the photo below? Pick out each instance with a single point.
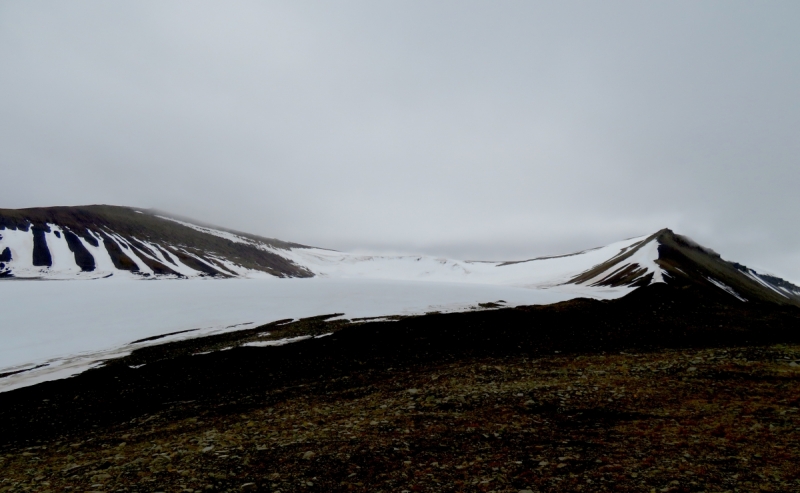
(664, 390)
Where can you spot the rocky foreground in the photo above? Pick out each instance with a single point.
(672, 420)
(664, 390)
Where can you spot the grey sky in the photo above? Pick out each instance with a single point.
(492, 130)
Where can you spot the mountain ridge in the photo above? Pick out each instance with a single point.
(137, 241)
(101, 241)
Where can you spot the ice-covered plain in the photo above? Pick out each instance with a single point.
(80, 285)
(134, 275)
(70, 326)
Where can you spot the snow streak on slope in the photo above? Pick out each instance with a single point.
(63, 260)
(757, 278)
(773, 284)
(639, 259)
(726, 288)
(211, 231)
(112, 255)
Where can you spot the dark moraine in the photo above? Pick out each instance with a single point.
(5, 255)
(83, 258)
(41, 253)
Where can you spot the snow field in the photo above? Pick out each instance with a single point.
(72, 326)
(537, 273)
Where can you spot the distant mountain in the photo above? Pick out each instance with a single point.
(100, 241)
(684, 263)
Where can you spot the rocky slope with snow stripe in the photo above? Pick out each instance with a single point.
(687, 264)
(102, 241)
(87, 242)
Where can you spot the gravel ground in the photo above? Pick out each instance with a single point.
(712, 419)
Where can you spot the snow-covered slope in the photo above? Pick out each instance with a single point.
(53, 330)
(109, 250)
(94, 242)
(536, 273)
(143, 245)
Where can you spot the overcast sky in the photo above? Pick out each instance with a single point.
(479, 130)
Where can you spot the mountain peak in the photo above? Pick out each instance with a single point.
(677, 260)
(98, 241)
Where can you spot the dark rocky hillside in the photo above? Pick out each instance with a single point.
(124, 230)
(687, 264)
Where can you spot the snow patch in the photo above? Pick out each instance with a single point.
(643, 258)
(103, 265)
(277, 342)
(211, 231)
(754, 276)
(20, 243)
(129, 252)
(172, 262)
(726, 288)
(63, 260)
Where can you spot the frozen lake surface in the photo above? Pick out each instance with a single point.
(70, 326)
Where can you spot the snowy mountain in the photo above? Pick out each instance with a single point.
(99, 241)
(92, 242)
(107, 311)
